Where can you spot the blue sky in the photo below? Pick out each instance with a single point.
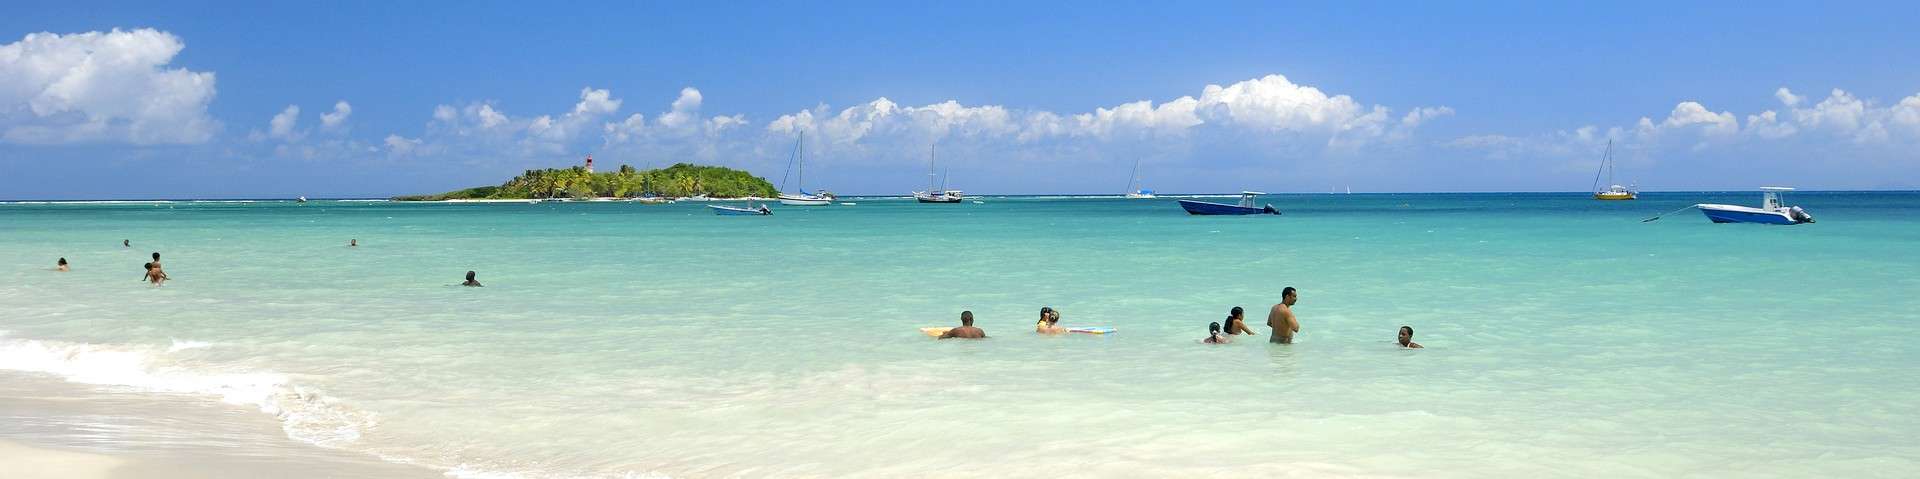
(138, 99)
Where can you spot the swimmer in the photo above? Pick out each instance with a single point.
(155, 275)
(966, 329)
(353, 242)
(471, 281)
(1406, 338)
(126, 243)
(1281, 319)
(60, 266)
(156, 259)
(1214, 336)
(1049, 322)
(1237, 322)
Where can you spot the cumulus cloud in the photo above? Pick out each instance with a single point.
(110, 86)
(336, 120)
(281, 127)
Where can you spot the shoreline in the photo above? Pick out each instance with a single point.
(59, 429)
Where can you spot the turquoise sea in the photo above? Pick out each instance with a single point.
(1565, 338)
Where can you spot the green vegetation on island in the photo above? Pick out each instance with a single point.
(679, 180)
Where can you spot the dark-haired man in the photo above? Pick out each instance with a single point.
(966, 329)
(1281, 318)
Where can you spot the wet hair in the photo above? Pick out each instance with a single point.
(469, 276)
(1235, 313)
(149, 266)
(1287, 292)
(62, 261)
(156, 256)
(966, 318)
(1407, 329)
(1213, 327)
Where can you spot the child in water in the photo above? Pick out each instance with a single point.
(1214, 336)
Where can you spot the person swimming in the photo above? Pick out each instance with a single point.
(155, 275)
(1237, 322)
(1214, 336)
(126, 243)
(1406, 338)
(1049, 322)
(353, 242)
(470, 281)
(61, 265)
(1281, 318)
(966, 329)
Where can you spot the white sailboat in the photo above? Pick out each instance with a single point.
(936, 194)
(821, 198)
(1133, 179)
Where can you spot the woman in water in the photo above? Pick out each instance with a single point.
(1214, 336)
(1237, 321)
(60, 266)
(1049, 322)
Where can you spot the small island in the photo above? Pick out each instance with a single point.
(580, 182)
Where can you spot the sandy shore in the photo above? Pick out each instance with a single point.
(53, 429)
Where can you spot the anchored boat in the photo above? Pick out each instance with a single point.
(750, 210)
(1246, 206)
(1613, 191)
(799, 157)
(1772, 210)
(1133, 179)
(936, 194)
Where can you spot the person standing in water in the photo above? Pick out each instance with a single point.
(470, 281)
(155, 275)
(1214, 336)
(1281, 318)
(1237, 322)
(1406, 338)
(60, 266)
(966, 329)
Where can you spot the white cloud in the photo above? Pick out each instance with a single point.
(281, 127)
(1787, 97)
(102, 87)
(1767, 125)
(1692, 114)
(337, 119)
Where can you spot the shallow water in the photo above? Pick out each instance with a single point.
(1564, 337)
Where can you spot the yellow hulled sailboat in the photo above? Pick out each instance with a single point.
(1613, 191)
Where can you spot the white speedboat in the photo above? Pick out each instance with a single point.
(1772, 210)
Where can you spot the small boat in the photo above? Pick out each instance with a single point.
(1613, 192)
(652, 200)
(1246, 206)
(1133, 179)
(1771, 211)
(749, 210)
(939, 193)
(819, 198)
(302, 199)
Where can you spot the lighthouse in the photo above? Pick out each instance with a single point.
(589, 162)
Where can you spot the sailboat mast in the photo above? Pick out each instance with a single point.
(1133, 176)
(930, 177)
(1610, 163)
(800, 151)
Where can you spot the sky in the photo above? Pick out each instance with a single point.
(373, 99)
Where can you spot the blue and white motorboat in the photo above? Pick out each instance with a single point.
(1246, 206)
(750, 210)
(1771, 211)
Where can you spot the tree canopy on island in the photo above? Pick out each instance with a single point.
(681, 179)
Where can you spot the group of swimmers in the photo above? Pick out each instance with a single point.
(1280, 319)
(157, 276)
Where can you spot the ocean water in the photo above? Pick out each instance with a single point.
(1564, 337)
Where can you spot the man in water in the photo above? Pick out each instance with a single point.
(353, 242)
(126, 243)
(966, 329)
(1214, 336)
(470, 281)
(156, 259)
(1281, 319)
(1406, 338)
(60, 266)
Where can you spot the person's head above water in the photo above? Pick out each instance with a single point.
(353, 242)
(469, 276)
(156, 256)
(966, 318)
(126, 243)
(1406, 335)
(1236, 313)
(1289, 295)
(1046, 312)
(149, 266)
(63, 262)
(1213, 328)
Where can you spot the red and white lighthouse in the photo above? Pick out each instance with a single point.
(589, 162)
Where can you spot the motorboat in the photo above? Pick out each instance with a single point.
(1772, 210)
(749, 210)
(1246, 206)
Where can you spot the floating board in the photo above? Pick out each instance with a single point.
(1089, 330)
(935, 332)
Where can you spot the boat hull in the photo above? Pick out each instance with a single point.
(1204, 208)
(1742, 214)
(1614, 196)
(796, 200)
(738, 211)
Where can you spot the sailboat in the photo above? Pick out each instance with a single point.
(1613, 191)
(802, 198)
(936, 194)
(1134, 178)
